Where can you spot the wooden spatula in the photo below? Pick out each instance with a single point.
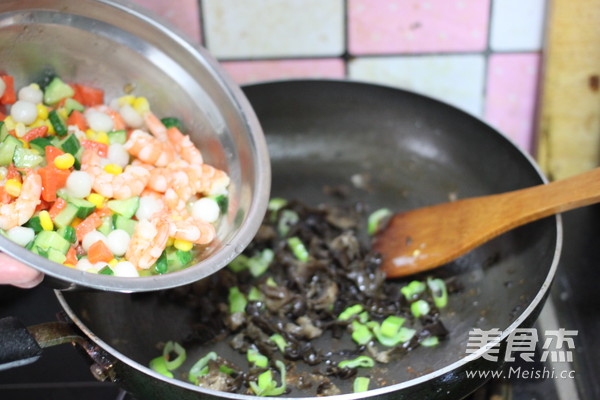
(425, 238)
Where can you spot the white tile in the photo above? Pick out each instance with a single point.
(274, 28)
(517, 25)
(455, 79)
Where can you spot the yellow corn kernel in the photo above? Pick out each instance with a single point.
(20, 129)
(102, 137)
(25, 144)
(113, 169)
(91, 134)
(183, 245)
(10, 123)
(123, 100)
(62, 112)
(113, 262)
(64, 161)
(37, 122)
(141, 105)
(51, 130)
(42, 111)
(170, 241)
(69, 265)
(46, 221)
(76, 222)
(96, 199)
(13, 187)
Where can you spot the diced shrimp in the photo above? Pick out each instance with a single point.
(155, 126)
(131, 182)
(149, 149)
(118, 122)
(148, 242)
(20, 211)
(184, 147)
(208, 180)
(173, 201)
(192, 229)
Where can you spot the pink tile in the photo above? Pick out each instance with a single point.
(416, 26)
(254, 71)
(184, 14)
(512, 93)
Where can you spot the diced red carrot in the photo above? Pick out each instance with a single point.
(99, 251)
(90, 96)
(2, 116)
(92, 222)
(101, 148)
(103, 212)
(43, 205)
(77, 118)
(13, 173)
(52, 180)
(51, 153)
(9, 96)
(71, 256)
(37, 132)
(57, 207)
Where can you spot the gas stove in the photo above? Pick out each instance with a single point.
(62, 373)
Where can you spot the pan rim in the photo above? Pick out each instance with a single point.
(524, 315)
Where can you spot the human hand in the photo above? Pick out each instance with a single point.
(13, 272)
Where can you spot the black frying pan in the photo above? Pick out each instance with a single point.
(404, 151)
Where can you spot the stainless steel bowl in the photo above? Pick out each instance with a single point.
(116, 46)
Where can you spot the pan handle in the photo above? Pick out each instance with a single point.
(18, 346)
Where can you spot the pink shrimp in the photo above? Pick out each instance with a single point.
(208, 180)
(155, 126)
(149, 149)
(192, 229)
(148, 241)
(118, 122)
(131, 182)
(183, 146)
(20, 211)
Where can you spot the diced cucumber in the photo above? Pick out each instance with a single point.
(126, 224)
(62, 193)
(172, 121)
(66, 216)
(119, 137)
(223, 202)
(57, 122)
(107, 225)
(126, 208)
(7, 149)
(56, 256)
(35, 224)
(56, 91)
(106, 271)
(68, 232)
(52, 240)
(26, 158)
(70, 144)
(38, 250)
(72, 104)
(177, 259)
(84, 207)
(161, 264)
(3, 131)
(40, 144)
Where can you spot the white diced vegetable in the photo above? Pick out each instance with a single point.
(24, 111)
(125, 269)
(206, 209)
(118, 241)
(21, 235)
(79, 184)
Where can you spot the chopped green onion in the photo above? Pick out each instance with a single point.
(361, 384)
(200, 368)
(239, 263)
(358, 362)
(255, 294)
(159, 364)
(266, 386)
(402, 334)
(254, 357)
(420, 308)
(225, 369)
(298, 248)
(361, 333)
(363, 317)
(271, 282)
(430, 341)
(173, 347)
(375, 220)
(279, 341)
(259, 264)
(276, 203)
(237, 300)
(413, 289)
(391, 325)
(287, 219)
(350, 312)
(438, 290)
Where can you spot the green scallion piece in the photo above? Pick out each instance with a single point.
(375, 220)
(279, 341)
(259, 264)
(420, 308)
(255, 294)
(254, 357)
(226, 370)
(200, 368)
(391, 325)
(361, 384)
(271, 282)
(276, 203)
(350, 312)
(413, 289)
(266, 385)
(363, 317)
(239, 263)
(237, 300)
(287, 219)
(298, 248)
(402, 335)
(439, 292)
(430, 341)
(173, 347)
(358, 362)
(159, 364)
(361, 334)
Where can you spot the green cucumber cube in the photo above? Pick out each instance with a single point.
(56, 256)
(119, 137)
(56, 91)
(126, 208)
(66, 216)
(84, 207)
(52, 240)
(126, 224)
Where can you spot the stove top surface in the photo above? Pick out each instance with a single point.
(63, 374)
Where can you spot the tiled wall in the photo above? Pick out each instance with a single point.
(480, 55)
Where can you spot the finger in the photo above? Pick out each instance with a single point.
(13, 272)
